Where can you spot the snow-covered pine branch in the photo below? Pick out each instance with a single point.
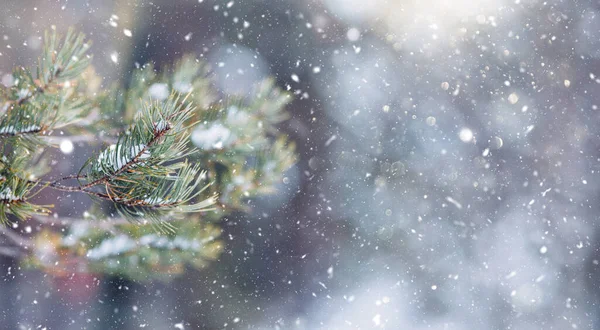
(169, 136)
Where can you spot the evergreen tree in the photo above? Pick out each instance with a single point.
(173, 157)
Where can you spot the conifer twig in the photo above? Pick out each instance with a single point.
(160, 153)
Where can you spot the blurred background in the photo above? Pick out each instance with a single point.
(447, 175)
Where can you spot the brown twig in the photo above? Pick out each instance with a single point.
(132, 162)
(87, 188)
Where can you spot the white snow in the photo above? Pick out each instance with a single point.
(117, 159)
(497, 142)
(66, 146)
(163, 242)
(330, 140)
(159, 91)
(430, 121)
(155, 201)
(529, 129)
(465, 135)
(111, 247)
(162, 125)
(23, 93)
(237, 117)
(11, 130)
(7, 80)
(454, 202)
(7, 194)
(353, 34)
(214, 137)
(182, 87)
(377, 320)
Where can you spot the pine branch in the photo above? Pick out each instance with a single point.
(15, 191)
(134, 173)
(35, 106)
(136, 158)
(62, 63)
(162, 150)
